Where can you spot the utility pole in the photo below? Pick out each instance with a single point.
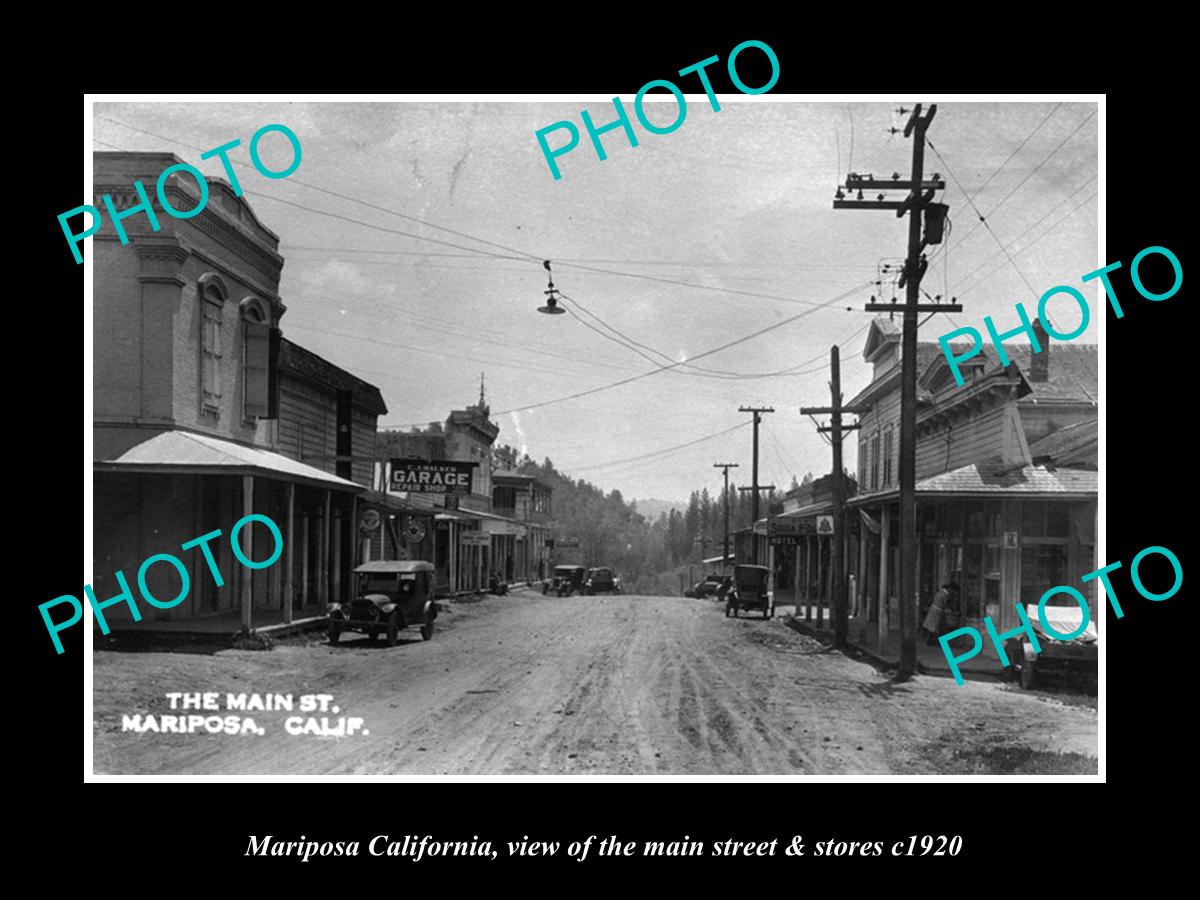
(837, 582)
(726, 467)
(920, 195)
(754, 486)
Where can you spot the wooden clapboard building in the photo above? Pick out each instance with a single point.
(1006, 476)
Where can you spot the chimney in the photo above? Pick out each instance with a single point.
(1039, 363)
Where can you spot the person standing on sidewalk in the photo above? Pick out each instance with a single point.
(933, 618)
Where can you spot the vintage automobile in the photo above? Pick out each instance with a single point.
(1080, 654)
(749, 591)
(706, 588)
(600, 581)
(389, 595)
(565, 581)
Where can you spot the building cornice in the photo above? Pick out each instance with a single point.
(212, 221)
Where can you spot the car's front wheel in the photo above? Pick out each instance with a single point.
(393, 629)
(335, 630)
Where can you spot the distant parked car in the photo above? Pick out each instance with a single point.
(706, 588)
(1078, 654)
(565, 581)
(389, 595)
(602, 580)
(749, 591)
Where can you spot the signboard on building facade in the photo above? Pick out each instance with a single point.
(786, 532)
(568, 542)
(422, 476)
(474, 538)
(824, 524)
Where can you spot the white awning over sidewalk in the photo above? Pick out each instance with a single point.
(188, 452)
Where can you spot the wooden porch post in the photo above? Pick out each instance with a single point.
(247, 582)
(883, 574)
(820, 585)
(337, 557)
(796, 581)
(304, 560)
(807, 578)
(289, 553)
(323, 559)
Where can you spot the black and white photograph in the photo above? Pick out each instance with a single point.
(672, 435)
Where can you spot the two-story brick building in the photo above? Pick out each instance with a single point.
(1006, 485)
(187, 426)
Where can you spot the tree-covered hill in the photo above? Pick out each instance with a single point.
(646, 554)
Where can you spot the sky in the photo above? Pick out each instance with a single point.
(426, 272)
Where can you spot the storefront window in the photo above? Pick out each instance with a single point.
(974, 518)
(1058, 520)
(971, 584)
(1033, 519)
(1043, 566)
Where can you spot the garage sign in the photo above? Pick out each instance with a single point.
(421, 476)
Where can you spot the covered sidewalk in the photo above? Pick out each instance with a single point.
(155, 490)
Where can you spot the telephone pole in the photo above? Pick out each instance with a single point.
(726, 467)
(754, 486)
(837, 580)
(918, 201)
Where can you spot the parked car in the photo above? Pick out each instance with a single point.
(601, 580)
(1080, 654)
(706, 588)
(389, 595)
(749, 591)
(565, 580)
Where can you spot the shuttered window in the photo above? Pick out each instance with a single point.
(210, 364)
(256, 362)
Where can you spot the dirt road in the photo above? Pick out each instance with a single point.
(620, 685)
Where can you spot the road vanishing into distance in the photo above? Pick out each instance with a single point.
(624, 685)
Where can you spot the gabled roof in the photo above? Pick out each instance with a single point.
(883, 332)
(1072, 370)
(295, 359)
(1072, 373)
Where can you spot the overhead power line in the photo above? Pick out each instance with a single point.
(726, 346)
(984, 222)
(524, 255)
(1031, 173)
(654, 453)
(1008, 159)
(1049, 230)
(1013, 241)
(292, 179)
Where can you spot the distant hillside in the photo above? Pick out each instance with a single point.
(652, 508)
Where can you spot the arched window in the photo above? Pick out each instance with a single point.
(256, 359)
(212, 295)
